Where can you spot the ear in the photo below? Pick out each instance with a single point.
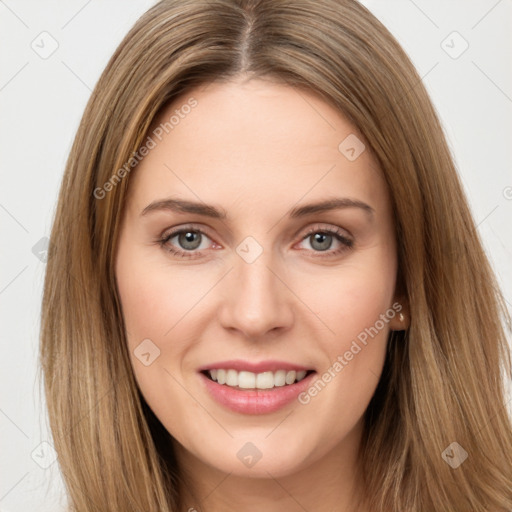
(401, 319)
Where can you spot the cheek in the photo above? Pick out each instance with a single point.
(358, 317)
(357, 304)
(353, 297)
(160, 307)
(155, 302)
(357, 308)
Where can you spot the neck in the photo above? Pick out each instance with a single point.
(331, 482)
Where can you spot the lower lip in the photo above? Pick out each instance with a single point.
(259, 401)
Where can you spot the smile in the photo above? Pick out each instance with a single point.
(255, 388)
(251, 380)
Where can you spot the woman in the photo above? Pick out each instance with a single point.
(266, 289)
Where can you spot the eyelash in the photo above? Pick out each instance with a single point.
(347, 243)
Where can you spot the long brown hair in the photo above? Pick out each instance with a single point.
(443, 379)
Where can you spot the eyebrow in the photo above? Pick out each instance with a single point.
(183, 206)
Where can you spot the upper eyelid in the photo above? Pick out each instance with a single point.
(171, 232)
(331, 228)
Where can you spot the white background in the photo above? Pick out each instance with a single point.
(42, 101)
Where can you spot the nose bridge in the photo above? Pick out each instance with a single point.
(257, 300)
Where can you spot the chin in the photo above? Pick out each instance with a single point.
(259, 458)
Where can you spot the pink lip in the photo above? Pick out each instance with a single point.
(255, 401)
(263, 366)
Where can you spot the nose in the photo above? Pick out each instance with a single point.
(256, 299)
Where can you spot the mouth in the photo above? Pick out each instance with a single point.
(255, 388)
(247, 380)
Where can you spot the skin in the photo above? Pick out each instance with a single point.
(257, 149)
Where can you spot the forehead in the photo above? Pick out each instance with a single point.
(256, 143)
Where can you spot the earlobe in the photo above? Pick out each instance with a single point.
(400, 322)
(403, 322)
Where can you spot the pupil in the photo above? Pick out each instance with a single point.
(187, 240)
(322, 238)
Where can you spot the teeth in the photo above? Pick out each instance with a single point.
(290, 377)
(301, 375)
(250, 380)
(245, 380)
(280, 378)
(232, 378)
(265, 380)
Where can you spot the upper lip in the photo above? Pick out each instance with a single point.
(254, 367)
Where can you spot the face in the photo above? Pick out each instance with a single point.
(224, 265)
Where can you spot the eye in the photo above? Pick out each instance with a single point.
(189, 239)
(321, 240)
